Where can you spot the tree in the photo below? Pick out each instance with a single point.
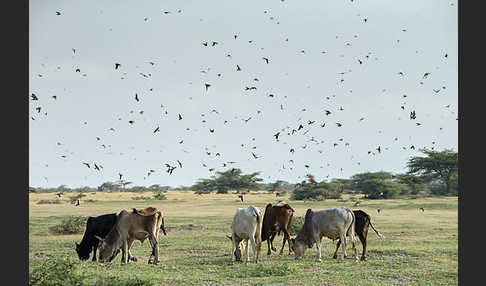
(376, 185)
(415, 183)
(319, 191)
(442, 165)
(232, 179)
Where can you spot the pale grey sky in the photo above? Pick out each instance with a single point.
(314, 50)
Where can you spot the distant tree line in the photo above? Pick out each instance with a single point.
(434, 174)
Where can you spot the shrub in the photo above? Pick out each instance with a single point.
(296, 225)
(44, 202)
(69, 225)
(320, 191)
(159, 195)
(54, 272)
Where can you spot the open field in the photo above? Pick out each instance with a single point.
(420, 248)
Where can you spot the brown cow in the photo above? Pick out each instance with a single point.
(362, 223)
(276, 218)
(131, 226)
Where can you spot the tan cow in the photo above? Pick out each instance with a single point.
(131, 226)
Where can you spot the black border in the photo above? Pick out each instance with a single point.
(15, 143)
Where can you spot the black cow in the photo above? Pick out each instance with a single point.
(99, 226)
(362, 223)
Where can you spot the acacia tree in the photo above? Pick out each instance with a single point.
(232, 179)
(443, 165)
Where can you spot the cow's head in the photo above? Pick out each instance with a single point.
(237, 252)
(83, 251)
(298, 247)
(106, 251)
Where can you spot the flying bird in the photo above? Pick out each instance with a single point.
(426, 75)
(238, 68)
(120, 175)
(255, 156)
(338, 124)
(180, 116)
(180, 164)
(276, 135)
(412, 115)
(96, 167)
(58, 13)
(117, 65)
(136, 97)
(157, 129)
(207, 85)
(87, 165)
(34, 97)
(214, 44)
(327, 112)
(266, 60)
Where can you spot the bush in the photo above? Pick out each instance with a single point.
(54, 272)
(320, 191)
(159, 195)
(69, 225)
(44, 202)
(296, 225)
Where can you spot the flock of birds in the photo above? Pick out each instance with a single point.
(299, 129)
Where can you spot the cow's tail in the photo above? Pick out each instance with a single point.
(377, 232)
(258, 232)
(351, 229)
(162, 226)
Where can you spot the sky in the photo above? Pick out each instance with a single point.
(369, 63)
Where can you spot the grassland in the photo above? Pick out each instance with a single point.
(420, 248)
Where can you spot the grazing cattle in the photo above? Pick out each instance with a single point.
(332, 223)
(246, 226)
(99, 226)
(361, 225)
(276, 218)
(131, 226)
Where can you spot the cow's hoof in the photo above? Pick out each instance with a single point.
(364, 258)
(134, 259)
(274, 249)
(334, 256)
(269, 253)
(319, 260)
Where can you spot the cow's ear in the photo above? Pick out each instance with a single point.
(229, 237)
(99, 238)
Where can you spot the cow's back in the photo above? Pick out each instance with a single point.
(331, 222)
(244, 222)
(100, 226)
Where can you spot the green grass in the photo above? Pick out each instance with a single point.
(420, 248)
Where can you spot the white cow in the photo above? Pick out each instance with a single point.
(246, 226)
(333, 223)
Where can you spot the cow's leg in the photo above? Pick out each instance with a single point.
(269, 252)
(247, 250)
(362, 238)
(286, 238)
(253, 248)
(337, 247)
(95, 247)
(271, 241)
(124, 251)
(233, 248)
(130, 257)
(317, 239)
(353, 241)
(342, 237)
